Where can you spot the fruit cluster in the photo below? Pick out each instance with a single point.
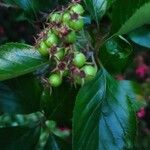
(58, 42)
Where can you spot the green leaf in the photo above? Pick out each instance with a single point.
(49, 141)
(26, 5)
(141, 36)
(17, 59)
(18, 138)
(20, 95)
(13, 120)
(33, 6)
(103, 116)
(115, 54)
(96, 8)
(56, 143)
(59, 104)
(135, 93)
(128, 15)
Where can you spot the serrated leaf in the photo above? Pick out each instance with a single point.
(20, 95)
(17, 59)
(115, 54)
(18, 138)
(128, 15)
(104, 118)
(141, 36)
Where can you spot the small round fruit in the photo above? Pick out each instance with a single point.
(55, 17)
(55, 30)
(66, 17)
(51, 40)
(43, 49)
(60, 53)
(89, 71)
(78, 80)
(79, 60)
(55, 80)
(70, 37)
(76, 24)
(65, 73)
(78, 9)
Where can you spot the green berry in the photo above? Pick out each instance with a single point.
(51, 124)
(55, 17)
(66, 17)
(78, 80)
(52, 40)
(90, 72)
(43, 49)
(70, 37)
(55, 30)
(60, 53)
(78, 9)
(76, 24)
(65, 73)
(79, 60)
(55, 80)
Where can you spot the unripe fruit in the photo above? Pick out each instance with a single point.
(76, 24)
(43, 49)
(79, 60)
(60, 53)
(78, 80)
(50, 124)
(55, 80)
(65, 73)
(66, 17)
(55, 30)
(78, 9)
(70, 37)
(90, 72)
(51, 40)
(55, 17)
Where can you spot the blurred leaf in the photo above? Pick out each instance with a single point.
(20, 95)
(141, 36)
(84, 40)
(27, 5)
(33, 6)
(134, 92)
(59, 104)
(56, 143)
(87, 19)
(103, 116)
(17, 59)
(128, 15)
(96, 8)
(13, 120)
(18, 138)
(115, 54)
(49, 141)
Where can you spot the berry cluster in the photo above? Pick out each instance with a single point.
(58, 42)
